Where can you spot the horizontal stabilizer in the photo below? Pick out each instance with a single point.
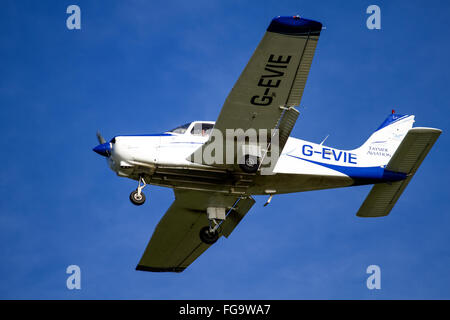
(413, 149)
(406, 159)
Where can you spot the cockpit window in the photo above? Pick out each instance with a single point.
(181, 129)
(202, 129)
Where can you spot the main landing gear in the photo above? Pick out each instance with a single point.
(210, 235)
(137, 197)
(251, 164)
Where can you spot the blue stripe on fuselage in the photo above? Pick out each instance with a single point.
(377, 174)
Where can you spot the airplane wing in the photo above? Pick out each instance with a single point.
(273, 80)
(176, 243)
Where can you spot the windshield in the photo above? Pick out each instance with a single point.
(202, 129)
(181, 129)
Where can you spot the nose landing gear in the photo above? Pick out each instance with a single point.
(137, 197)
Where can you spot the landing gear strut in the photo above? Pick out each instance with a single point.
(210, 234)
(137, 197)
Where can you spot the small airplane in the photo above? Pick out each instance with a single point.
(211, 198)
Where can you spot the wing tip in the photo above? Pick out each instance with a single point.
(426, 130)
(371, 215)
(294, 25)
(140, 267)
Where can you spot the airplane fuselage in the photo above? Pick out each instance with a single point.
(162, 159)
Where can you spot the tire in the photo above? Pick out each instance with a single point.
(208, 237)
(250, 165)
(135, 199)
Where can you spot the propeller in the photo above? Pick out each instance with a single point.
(100, 138)
(104, 148)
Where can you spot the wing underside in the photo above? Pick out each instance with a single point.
(275, 75)
(175, 243)
(272, 82)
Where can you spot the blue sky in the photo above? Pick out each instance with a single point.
(145, 67)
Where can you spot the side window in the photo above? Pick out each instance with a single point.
(202, 129)
(207, 127)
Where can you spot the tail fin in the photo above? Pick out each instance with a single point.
(407, 159)
(382, 144)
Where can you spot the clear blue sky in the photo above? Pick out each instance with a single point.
(145, 67)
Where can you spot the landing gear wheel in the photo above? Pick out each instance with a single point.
(250, 165)
(207, 236)
(137, 199)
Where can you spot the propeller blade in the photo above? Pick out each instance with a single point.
(101, 140)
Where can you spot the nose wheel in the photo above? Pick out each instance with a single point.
(137, 197)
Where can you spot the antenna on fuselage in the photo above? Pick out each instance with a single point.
(324, 140)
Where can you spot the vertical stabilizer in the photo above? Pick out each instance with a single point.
(382, 144)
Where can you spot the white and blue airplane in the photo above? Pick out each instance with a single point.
(211, 199)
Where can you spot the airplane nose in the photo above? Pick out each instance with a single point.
(103, 149)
